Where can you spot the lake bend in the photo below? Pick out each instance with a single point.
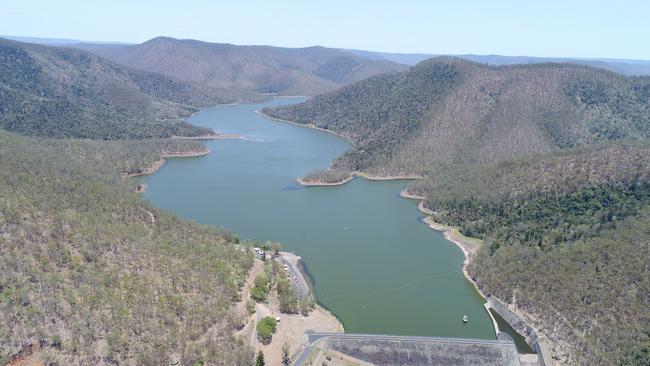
(374, 265)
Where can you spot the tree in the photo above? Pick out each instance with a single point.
(638, 355)
(275, 248)
(258, 294)
(261, 287)
(288, 301)
(286, 361)
(259, 361)
(265, 329)
(306, 304)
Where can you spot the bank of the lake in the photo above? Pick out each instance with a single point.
(469, 246)
(314, 127)
(374, 265)
(156, 165)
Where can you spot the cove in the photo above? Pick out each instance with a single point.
(374, 265)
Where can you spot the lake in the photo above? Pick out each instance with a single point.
(374, 265)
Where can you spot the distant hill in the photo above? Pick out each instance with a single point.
(243, 72)
(411, 59)
(448, 110)
(63, 92)
(58, 41)
(625, 67)
(622, 66)
(628, 67)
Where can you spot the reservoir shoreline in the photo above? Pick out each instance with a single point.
(469, 246)
(339, 299)
(318, 183)
(259, 112)
(158, 164)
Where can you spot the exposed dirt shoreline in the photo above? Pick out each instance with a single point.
(388, 177)
(304, 125)
(156, 165)
(469, 246)
(217, 136)
(318, 183)
(305, 183)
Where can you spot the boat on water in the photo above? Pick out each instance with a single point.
(465, 318)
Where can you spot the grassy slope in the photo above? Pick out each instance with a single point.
(240, 73)
(59, 92)
(447, 110)
(94, 275)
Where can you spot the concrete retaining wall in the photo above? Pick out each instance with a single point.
(396, 351)
(519, 325)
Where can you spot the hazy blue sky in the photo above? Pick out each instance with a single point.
(578, 28)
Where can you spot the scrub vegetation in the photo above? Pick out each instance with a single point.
(92, 274)
(328, 176)
(566, 240)
(64, 93)
(447, 110)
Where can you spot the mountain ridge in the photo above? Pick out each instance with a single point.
(628, 67)
(247, 71)
(64, 92)
(449, 110)
(547, 163)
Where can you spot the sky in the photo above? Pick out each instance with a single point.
(550, 28)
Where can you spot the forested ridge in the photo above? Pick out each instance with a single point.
(548, 164)
(236, 73)
(447, 110)
(91, 274)
(59, 92)
(566, 239)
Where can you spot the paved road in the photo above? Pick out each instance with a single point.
(315, 337)
(303, 356)
(296, 278)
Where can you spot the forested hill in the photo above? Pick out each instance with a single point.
(93, 275)
(241, 73)
(547, 163)
(566, 241)
(447, 110)
(60, 92)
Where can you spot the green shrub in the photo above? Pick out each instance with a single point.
(265, 329)
(258, 294)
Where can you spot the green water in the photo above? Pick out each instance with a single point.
(520, 341)
(374, 265)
